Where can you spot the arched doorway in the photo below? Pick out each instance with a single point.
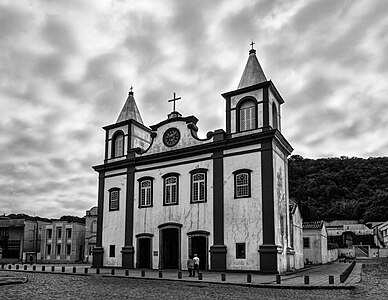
(199, 244)
(170, 246)
(144, 250)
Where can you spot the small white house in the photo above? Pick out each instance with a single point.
(315, 242)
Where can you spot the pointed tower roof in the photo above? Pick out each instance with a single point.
(253, 73)
(130, 110)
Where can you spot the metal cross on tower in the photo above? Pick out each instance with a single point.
(252, 44)
(173, 100)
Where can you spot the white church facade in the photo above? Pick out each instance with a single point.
(165, 194)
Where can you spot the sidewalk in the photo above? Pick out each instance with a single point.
(318, 276)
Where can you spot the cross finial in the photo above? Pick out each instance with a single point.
(131, 88)
(174, 99)
(252, 44)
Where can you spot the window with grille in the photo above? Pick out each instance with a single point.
(242, 183)
(145, 192)
(48, 249)
(112, 251)
(240, 250)
(306, 242)
(114, 197)
(118, 145)
(171, 189)
(68, 249)
(198, 185)
(247, 116)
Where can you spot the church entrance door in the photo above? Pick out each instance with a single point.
(198, 245)
(144, 253)
(170, 248)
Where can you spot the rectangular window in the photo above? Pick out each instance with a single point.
(114, 195)
(112, 251)
(68, 249)
(242, 183)
(240, 250)
(68, 233)
(198, 187)
(49, 233)
(48, 249)
(58, 249)
(306, 242)
(171, 190)
(59, 233)
(145, 193)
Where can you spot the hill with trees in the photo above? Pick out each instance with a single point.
(340, 188)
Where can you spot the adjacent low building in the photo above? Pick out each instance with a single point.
(63, 242)
(20, 239)
(90, 233)
(315, 249)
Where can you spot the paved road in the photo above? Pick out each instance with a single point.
(374, 285)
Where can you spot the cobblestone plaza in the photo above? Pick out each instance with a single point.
(373, 285)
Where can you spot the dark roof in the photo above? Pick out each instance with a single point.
(253, 73)
(292, 206)
(130, 110)
(313, 225)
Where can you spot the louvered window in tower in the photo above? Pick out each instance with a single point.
(118, 145)
(247, 116)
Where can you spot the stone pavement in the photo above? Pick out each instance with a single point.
(318, 276)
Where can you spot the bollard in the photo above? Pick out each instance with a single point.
(126, 272)
(278, 279)
(249, 278)
(86, 270)
(112, 272)
(17, 267)
(33, 268)
(199, 276)
(179, 275)
(142, 273)
(307, 280)
(97, 271)
(331, 279)
(160, 274)
(74, 270)
(63, 269)
(52, 269)
(223, 277)
(25, 267)
(43, 268)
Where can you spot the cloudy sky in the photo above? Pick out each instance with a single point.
(66, 68)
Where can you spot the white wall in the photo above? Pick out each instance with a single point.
(114, 221)
(243, 217)
(198, 216)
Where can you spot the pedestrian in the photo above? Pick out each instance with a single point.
(190, 265)
(196, 264)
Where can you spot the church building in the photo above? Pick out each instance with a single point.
(164, 193)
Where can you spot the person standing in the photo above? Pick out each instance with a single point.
(196, 264)
(190, 265)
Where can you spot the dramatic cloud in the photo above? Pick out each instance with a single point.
(66, 67)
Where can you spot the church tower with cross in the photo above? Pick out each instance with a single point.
(165, 193)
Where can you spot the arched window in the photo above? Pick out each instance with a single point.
(171, 185)
(274, 116)
(247, 115)
(93, 227)
(145, 191)
(198, 185)
(118, 144)
(242, 183)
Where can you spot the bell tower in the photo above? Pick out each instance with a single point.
(255, 104)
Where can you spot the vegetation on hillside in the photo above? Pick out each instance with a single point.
(340, 188)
